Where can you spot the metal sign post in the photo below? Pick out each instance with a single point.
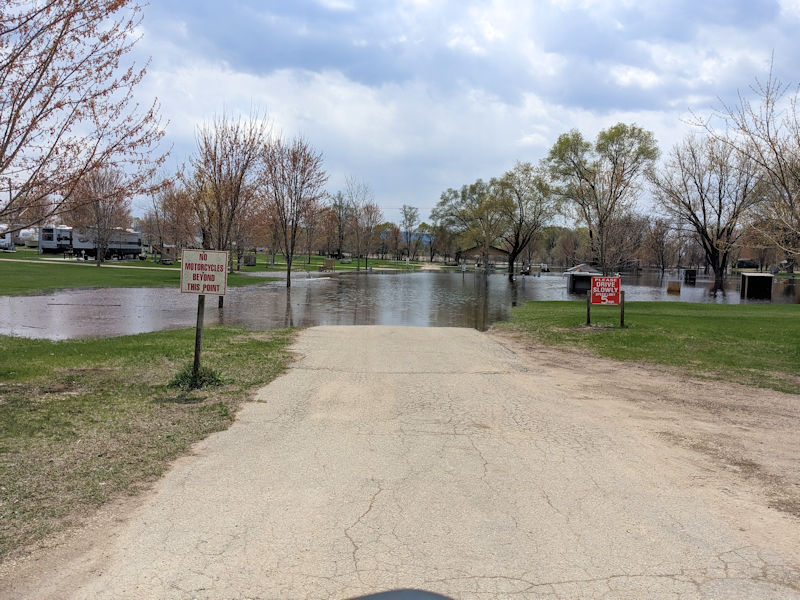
(203, 272)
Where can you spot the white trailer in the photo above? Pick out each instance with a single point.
(55, 239)
(28, 237)
(122, 243)
(6, 239)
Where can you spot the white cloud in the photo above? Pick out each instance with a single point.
(627, 76)
(374, 98)
(337, 5)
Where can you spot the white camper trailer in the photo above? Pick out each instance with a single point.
(6, 239)
(28, 237)
(55, 239)
(122, 243)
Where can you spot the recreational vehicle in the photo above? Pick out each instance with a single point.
(6, 239)
(121, 243)
(55, 239)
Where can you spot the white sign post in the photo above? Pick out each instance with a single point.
(203, 272)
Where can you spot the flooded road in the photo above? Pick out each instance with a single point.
(422, 299)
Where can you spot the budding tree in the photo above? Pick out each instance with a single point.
(600, 180)
(529, 205)
(66, 103)
(223, 181)
(365, 217)
(292, 178)
(101, 205)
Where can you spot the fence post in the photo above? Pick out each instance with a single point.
(198, 334)
(588, 308)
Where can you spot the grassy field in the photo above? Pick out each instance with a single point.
(300, 263)
(83, 422)
(263, 262)
(38, 277)
(750, 344)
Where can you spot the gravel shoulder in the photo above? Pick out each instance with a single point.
(467, 464)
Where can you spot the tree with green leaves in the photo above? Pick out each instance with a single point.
(409, 222)
(342, 210)
(478, 212)
(599, 181)
(529, 204)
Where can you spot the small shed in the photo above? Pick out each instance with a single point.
(756, 286)
(579, 278)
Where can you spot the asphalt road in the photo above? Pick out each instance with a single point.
(442, 460)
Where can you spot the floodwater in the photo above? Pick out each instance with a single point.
(417, 299)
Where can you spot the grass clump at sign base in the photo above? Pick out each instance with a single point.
(85, 421)
(752, 344)
(187, 379)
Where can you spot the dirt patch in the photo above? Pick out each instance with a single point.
(749, 435)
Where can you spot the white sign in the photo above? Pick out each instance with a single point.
(204, 272)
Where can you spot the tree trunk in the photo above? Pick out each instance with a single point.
(719, 278)
(288, 270)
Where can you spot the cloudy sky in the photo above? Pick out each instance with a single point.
(416, 96)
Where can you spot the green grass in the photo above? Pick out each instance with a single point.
(39, 277)
(85, 421)
(751, 344)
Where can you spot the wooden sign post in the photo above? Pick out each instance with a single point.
(203, 272)
(605, 291)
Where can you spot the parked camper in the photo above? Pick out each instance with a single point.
(28, 237)
(122, 243)
(6, 241)
(55, 239)
(32, 240)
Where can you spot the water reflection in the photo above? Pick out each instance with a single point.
(416, 299)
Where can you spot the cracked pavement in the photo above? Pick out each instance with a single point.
(443, 460)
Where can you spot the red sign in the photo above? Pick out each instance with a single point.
(605, 290)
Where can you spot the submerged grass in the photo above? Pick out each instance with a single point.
(753, 344)
(84, 421)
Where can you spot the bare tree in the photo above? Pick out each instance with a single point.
(172, 220)
(357, 196)
(529, 206)
(224, 178)
(394, 240)
(659, 245)
(600, 181)
(292, 178)
(66, 106)
(366, 216)
(767, 132)
(371, 217)
(710, 186)
(102, 205)
(625, 237)
(309, 222)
